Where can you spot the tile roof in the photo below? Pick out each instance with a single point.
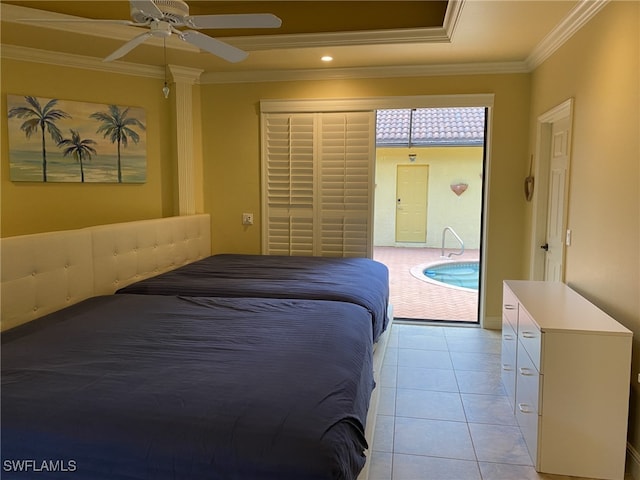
(430, 126)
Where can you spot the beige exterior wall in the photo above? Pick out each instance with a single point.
(447, 165)
(600, 69)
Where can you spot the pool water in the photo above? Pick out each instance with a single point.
(458, 274)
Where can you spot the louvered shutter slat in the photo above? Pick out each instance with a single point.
(317, 183)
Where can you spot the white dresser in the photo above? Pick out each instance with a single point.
(566, 369)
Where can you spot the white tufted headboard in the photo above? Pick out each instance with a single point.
(45, 272)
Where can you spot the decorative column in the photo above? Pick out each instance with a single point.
(182, 95)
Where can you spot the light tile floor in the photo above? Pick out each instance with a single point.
(417, 299)
(443, 412)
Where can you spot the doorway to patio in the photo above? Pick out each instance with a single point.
(428, 212)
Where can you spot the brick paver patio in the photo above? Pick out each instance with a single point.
(417, 299)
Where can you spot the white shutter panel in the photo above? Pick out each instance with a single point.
(345, 180)
(288, 182)
(317, 183)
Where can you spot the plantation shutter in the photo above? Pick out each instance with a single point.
(317, 171)
(345, 186)
(289, 171)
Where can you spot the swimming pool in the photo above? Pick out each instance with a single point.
(463, 275)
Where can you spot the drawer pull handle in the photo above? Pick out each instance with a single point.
(509, 307)
(524, 408)
(528, 334)
(526, 372)
(508, 336)
(506, 367)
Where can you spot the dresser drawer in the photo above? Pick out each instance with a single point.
(528, 394)
(530, 336)
(509, 342)
(510, 307)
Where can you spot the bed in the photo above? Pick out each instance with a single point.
(66, 337)
(155, 387)
(361, 281)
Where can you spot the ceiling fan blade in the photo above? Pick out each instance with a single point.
(81, 20)
(245, 20)
(214, 46)
(127, 47)
(147, 7)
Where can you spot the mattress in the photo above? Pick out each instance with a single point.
(159, 387)
(362, 281)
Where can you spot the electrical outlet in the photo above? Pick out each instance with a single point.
(247, 218)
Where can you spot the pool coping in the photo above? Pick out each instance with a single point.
(417, 272)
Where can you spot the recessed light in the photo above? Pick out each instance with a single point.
(326, 58)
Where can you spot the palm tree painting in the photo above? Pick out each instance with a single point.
(40, 119)
(104, 144)
(119, 128)
(79, 149)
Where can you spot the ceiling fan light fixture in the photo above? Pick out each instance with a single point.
(171, 11)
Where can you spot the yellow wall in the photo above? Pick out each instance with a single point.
(447, 165)
(231, 154)
(36, 207)
(599, 67)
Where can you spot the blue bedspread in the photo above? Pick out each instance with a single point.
(162, 387)
(361, 281)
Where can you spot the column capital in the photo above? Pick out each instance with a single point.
(186, 75)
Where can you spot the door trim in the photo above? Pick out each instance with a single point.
(541, 192)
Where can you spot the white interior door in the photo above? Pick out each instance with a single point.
(550, 196)
(557, 195)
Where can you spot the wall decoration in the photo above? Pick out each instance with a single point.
(459, 188)
(529, 183)
(53, 140)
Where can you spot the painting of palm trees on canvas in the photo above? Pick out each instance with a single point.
(53, 140)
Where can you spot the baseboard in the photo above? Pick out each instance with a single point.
(632, 466)
(492, 323)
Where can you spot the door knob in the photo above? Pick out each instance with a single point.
(545, 247)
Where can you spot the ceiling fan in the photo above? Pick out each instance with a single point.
(162, 18)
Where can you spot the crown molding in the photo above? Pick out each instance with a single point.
(574, 21)
(27, 54)
(306, 40)
(363, 72)
(451, 16)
